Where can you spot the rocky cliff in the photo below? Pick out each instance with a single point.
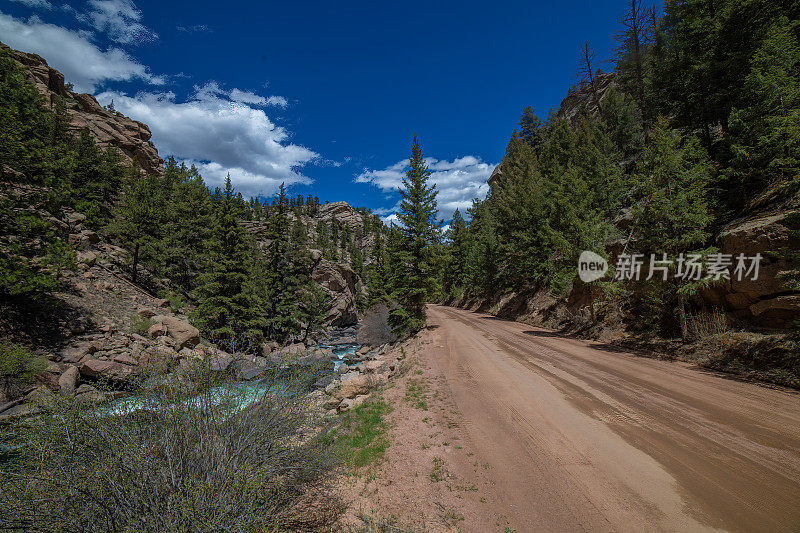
(109, 128)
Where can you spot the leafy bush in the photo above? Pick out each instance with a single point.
(18, 367)
(193, 456)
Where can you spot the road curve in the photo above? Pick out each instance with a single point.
(582, 438)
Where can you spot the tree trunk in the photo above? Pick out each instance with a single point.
(135, 262)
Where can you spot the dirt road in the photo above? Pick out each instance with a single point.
(580, 438)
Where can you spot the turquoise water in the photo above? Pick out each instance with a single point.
(340, 352)
(234, 397)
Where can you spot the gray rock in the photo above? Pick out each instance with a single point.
(68, 381)
(246, 370)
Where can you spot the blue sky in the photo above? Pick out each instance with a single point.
(322, 95)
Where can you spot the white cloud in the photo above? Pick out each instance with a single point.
(82, 63)
(36, 4)
(219, 136)
(197, 28)
(120, 20)
(247, 97)
(458, 181)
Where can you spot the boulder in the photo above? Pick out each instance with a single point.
(358, 386)
(76, 353)
(350, 374)
(156, 330)
(789, 303)
(331, 403)
(68, 381)
(146, 313)
(88, 258)
(351, 403)
(87, 393)
(220, 362)
(246, 370)
(125, 359)
(181, 333)
(269, 347)
(71, 217)
(291, 349)
(763, 301)
(110, 370)
(378, 366)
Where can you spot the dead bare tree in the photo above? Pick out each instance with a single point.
(633, 39)
(586, 69)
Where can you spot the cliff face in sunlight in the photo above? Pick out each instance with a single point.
(109, 128)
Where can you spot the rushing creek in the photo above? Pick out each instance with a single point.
(241, 394)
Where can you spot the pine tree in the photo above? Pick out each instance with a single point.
(531, 128)
(634, 40)
(671, 216)
(420, 231)
(455, 266)
(138, 218)
(187, 225)
(295, 304)
(225, 302)
(765, 135)
(523, 230)
(378, 274)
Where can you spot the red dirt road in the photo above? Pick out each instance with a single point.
(580, 438)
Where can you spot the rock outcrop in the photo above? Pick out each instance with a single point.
(584, 95)
(339, 283)
(109, 128)
(765, 301)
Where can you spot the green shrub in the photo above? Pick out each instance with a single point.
(195, 453)
(18, 367)
(140, 325)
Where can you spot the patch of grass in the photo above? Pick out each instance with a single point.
(140, 325)
(417, 393)
(449, 516)
(439, 473)
(362, 437)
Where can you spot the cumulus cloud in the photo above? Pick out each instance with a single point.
(120, 20)
(35, 4)
(82, 62)
(219, 136)
(458, 182)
